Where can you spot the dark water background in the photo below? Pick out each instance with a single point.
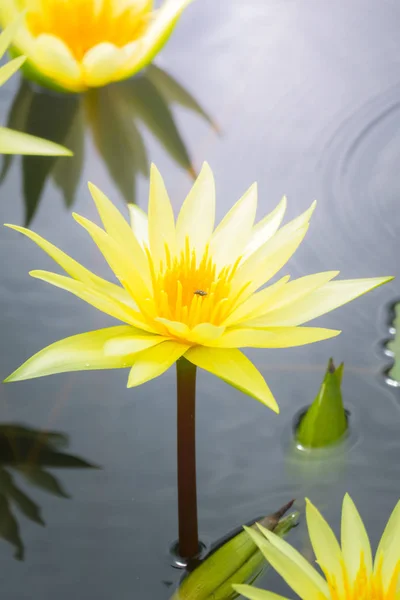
(307, 96)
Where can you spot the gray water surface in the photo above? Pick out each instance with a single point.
(307, 99)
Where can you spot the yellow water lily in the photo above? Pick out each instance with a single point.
(350, 572)
(187, 289)
(15, 142)
(73, 45)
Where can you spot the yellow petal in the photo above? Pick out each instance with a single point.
(253, 593)
(118, 228)
(8, 70)
(101, 63)
(74, 269)
(266, 228)
(290, 293)
(155, 361)
(197, 215)
(8, 35)
(233, 233)
(263, 264)
(139, 224)
(291, 565)
(122, 267)
(275, 337)
(203, 333)
(354, 540)
(236, 369)
(132, 343)
(17, 142)
(83, 352)
(158, 33)
(389, 546)
(94, 297)
(253, 304)
(326, 547)
(323, 300)
(161, 219)
(53, 58)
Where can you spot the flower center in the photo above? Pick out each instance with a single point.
(190, 290)
(365, 587)
(82, 24)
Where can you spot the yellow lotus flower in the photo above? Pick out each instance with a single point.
(350, 572)
(74, 45)
(15, 142)
(189, 290)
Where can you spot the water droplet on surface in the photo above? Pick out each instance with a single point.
(87, 364)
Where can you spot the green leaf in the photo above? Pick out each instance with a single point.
(50, 116)
(234, 560)
(147, 104)
(325, 421)
(393, 347)
(173, 92)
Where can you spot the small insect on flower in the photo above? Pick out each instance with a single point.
(200, 293)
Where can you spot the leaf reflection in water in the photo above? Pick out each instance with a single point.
(28, 452)
(115, 117)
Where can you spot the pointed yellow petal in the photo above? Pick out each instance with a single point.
(118, 228)
(94, 297)
(233, 233)
(266, 228)
(323, 300)
(83, 352)
(253, 593)
(389, 546)
(158, 33)
(291, 565)
(354, 540)
(74, 269)
(263, 264)
(132, 344)
(161, 219)
(197, 215)
(7, 36)
(255, 303)
(17, 142)
(326, 547)
(54, 59)
(155, 361)
(233, 367)
(101, 63)
(203, 333)
(139, 224)
(275, 337)
(122, 267)
(8, 70)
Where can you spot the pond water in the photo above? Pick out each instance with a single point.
(306, 98)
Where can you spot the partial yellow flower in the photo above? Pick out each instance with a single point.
(190, 290)
(15, 142)
(74, 45)
(350, 573)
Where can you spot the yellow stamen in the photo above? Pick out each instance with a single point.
(365, 586)
(82, 24)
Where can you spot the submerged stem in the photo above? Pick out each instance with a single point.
(186, 444)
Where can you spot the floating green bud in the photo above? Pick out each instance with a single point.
(236, 560)
(325, 421)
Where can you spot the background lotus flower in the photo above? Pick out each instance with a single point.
(189, 290)
(350, 571)
(113, 116)
(15, 142)
(80, 44)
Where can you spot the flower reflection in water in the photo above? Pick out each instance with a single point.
(28, 453)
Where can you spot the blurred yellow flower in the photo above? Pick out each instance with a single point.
(189, 290)
(73, 45)
(350, 572)
(15, 142)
